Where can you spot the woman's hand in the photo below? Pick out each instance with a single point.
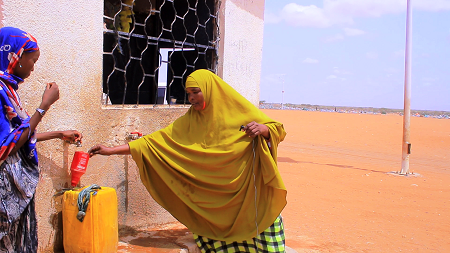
(103, 150)
(51, 95)
(254, 129)
(71, 136)
(100, 150)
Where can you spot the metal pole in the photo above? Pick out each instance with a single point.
(282, 95)
(281, 76)
(406, 145)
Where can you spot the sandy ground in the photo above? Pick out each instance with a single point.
(341, 196)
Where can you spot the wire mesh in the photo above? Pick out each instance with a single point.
(151, 46)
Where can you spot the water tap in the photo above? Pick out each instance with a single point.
(76, 143)
(134, 135)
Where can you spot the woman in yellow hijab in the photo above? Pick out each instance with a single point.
(219, 179)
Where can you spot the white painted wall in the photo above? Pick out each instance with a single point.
(242, 47)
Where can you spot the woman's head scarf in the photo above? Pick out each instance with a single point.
(13, 43)
(213, 178)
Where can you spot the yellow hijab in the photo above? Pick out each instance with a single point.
(203, 170)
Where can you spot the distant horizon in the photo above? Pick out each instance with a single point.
(350, 107)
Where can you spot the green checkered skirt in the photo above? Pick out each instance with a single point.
(271, 240)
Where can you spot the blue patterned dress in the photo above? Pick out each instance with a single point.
(18, 181)
(19, 173)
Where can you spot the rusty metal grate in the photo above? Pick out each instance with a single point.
(151, 46)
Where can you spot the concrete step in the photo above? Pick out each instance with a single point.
(169, 238)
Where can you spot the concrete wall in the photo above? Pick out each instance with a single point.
(69, 33)
(241, 28)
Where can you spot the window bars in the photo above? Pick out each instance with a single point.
(151, 46)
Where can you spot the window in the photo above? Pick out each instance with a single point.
(151, 46)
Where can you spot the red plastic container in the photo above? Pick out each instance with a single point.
(79, 165)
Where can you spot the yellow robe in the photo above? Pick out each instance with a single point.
(203, 170)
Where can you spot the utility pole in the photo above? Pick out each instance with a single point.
(406, 145)
(282, 90)
(282, 97)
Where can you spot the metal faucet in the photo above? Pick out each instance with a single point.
(76, 143)
(134, 136)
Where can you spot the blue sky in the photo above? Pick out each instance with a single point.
(352, 53)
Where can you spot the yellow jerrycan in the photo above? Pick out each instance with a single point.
(98, 232)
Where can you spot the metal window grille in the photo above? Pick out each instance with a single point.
(151, 46)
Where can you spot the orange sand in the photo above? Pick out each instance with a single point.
(341, 197)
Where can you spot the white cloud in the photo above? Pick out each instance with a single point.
(310, 61)
(353, 32)
(377, 8)
(338, 73)
(371, 55)
(347, 31)
(334, 38)
(334, 77)
(310, 16)
(343, 12)
(366, 8)
(336, 70)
